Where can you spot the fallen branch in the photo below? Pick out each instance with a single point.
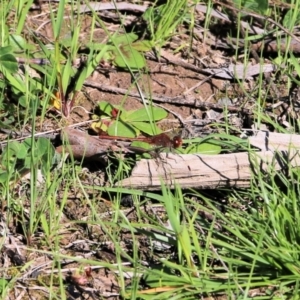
(215, 171)
(82, 145)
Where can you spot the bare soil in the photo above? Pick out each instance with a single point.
(24, 253)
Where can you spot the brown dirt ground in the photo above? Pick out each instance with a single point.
(90, 241)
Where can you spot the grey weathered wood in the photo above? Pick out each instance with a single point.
(80, 144)
(266, 140)
(240, 71)
(213, 171)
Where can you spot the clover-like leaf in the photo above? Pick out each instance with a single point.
(155, 113)
(5, 50)
(3, 284)
(9, 62)
(4, 177)
(106, 107)
(259, 6)
(124, 39)
(130, 58)
(14, 149)
(18, 43)
(204, 148)
(122, 129)
(147, 128)
(143, 46)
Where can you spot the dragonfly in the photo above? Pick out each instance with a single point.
(160, 141)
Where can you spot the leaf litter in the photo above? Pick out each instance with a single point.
(172, 79)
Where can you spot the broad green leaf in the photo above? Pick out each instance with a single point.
(124, 39)
(130, 58)
(122, 129)
(3, 284)
(5, 124)
(143, 46)
(23, 101)
(15, 149)
(15, 80)
(289, 20)
(22, 152)
(4, 177)
(5, 50)
(156, 113)
(43, 146)
(67, 41)
(27, 162)
(296, 65)
(204, 148)
(19, 43)
(143, 145)
(94, 46)
(259, 6)
(28, 143)
(48, 159)
(2, 84)
(106, 107)
(146, 127)
(142, 149)
(148, 14)
(9, 62)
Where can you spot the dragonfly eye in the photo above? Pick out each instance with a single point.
(177, 141)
